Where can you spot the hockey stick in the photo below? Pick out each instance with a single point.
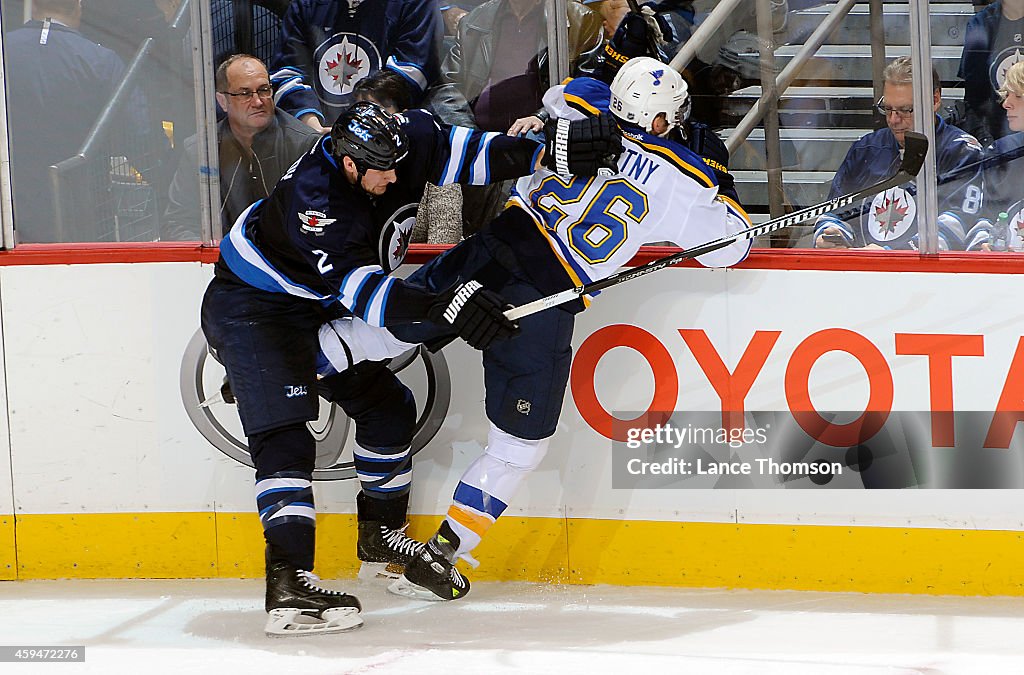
(915, 147)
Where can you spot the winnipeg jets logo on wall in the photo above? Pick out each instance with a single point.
(342, 60)
(891, 214)
(1002, 63)
(210, 405)
(394, 237)
(314, 222)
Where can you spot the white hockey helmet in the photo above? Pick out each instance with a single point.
(644, 88)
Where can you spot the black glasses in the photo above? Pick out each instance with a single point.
(264, 92)
(885, 110)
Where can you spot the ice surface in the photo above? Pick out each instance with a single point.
(216, 626)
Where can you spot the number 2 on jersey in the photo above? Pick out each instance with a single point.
(597, 227)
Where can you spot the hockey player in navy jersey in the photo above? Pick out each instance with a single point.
(889, 219)
(559, 231)
(329, 45)
(323, 244)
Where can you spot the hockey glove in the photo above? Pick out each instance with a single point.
(475, 313)
(642, 33)
(585, 147)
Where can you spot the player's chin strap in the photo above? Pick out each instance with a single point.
(915, 148)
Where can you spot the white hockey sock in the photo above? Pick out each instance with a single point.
(348, 341)
(490, 483)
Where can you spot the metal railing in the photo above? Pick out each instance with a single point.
(789, 73)
(84, 184)
(6, 204)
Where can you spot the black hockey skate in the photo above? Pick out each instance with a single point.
(297, 605)
(431, 574)
(384, 552)
(382, 547)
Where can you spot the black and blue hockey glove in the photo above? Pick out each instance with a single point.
(476, 314)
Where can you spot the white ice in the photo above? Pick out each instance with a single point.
(216, 626)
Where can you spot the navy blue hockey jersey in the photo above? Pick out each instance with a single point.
(1004, 193)
(326, 49)
(318, 237)
(889, 219)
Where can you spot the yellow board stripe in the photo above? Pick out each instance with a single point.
(8, 559)
(573, 550)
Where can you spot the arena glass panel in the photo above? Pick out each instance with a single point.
(836, 130)
(100, 101)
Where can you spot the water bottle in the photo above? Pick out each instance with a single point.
(1000, 233)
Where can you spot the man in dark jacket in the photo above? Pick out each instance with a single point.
(497, 72)
(256, 145)
(888, 220)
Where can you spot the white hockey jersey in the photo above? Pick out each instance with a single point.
(662, 192)
(596, 225)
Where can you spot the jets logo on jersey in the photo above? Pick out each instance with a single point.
(1002, 63)
(657, 75)
(1015, 240)
(891, 214)
(342, 60)
(395, 236)
(314, 222)
(970, 141)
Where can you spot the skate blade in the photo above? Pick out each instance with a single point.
(376, 571)
(289, 622)
(408, 589)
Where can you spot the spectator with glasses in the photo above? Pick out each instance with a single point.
(256, 144)
(889, 220)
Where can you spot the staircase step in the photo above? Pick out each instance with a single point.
(948, 24)
(802, 188)
(850, 65)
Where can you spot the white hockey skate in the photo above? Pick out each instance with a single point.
(283, 622)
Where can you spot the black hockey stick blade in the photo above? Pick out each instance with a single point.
(915, 147)
(914, 150)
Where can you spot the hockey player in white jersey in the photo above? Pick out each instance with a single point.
(558, 231)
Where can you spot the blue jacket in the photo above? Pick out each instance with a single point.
(326, 49)
(890, 219)
(1004, 193)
